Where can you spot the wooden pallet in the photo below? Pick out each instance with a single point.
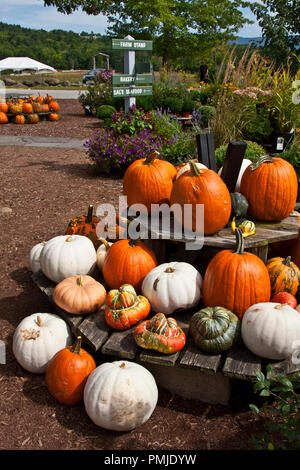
(237, 363)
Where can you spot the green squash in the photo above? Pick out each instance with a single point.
(215, 329)
(239, 205)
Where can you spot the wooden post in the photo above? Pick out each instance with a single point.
(232, 163)
(206, 150)
(129, 68)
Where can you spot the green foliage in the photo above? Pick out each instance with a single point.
(283, 433)
(292, 154)
(208, 113)
(177, 150)
(173, 104)
(253, 151)
(133, 122)
(145, 102)
(188, 105)
(164, 126)
(105, 112)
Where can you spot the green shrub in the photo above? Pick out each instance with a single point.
(253, 151)
(105, 112)
(283, 430)
(188, 105)
(208, 113)
(173, 104)
(145, 102)
(292, 154)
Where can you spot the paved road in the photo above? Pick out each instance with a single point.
(30, 141)
(58, 94)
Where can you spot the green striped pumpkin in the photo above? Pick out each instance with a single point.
(284, 275)
(215, 329)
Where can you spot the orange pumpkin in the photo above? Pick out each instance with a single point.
(79, 295)
(15, 108)
(149, 181)
(85, 225)
(3, 107)
(270, 186)
(48, 99)
(40, 99)
(202, 186)
(236, 279)
(45, 108)
(53, 117)
(19, 119)
(54, 106)
(32, 118)
(128, 262)
(67, 373)
(27, 108)
(3, 118)
(36, 106)
(284, 275)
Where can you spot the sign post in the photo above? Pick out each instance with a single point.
(130, 78)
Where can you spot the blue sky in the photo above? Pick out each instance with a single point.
(33, 14)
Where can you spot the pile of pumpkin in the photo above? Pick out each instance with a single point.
(27, 110)
(244, 299)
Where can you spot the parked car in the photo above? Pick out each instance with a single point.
(90, 76)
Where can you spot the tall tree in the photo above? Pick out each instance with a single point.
(280, 23)
(179, 27)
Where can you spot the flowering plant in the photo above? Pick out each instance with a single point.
(130, 123)
(109, 152)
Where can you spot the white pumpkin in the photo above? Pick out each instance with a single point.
(120, 395)
(68, 255)
(244, 165)
(34, 257)
(186, 168)
(38, 338)
(269, 330)
(172, 286)
(102, 252)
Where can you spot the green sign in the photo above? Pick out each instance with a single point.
(131, 45)
(123, 79)
(132, 91)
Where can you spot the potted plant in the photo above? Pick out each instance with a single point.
(187, 108)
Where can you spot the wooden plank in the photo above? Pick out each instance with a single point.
(286, 367)
(94, 329)
(121, 344)
(232, 163)
(47, 286)
(192, 357)
(240, 363)
(261, 252)
(206, 150)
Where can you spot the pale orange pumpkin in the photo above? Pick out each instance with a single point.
(79, 295)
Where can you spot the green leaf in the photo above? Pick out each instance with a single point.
(271, 446)
(265, 393)
(254, 408)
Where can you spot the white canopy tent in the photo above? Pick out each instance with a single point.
(24, 63)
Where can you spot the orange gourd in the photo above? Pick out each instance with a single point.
(48, 99)
(270, 186)
(27, 108)
(4, 108)
(53, 117)
(32, 119)
(3, 118)
(19, 119)
(202, 186)
(128, 262)
(149, 181)
(45, 108)
(15, 108)
(54, 106)
(40, 99)
(67, 373)
(236, 279)
(85, 225)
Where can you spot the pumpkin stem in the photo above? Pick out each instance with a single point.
(239, 248)
(280, 306)
(89, 217)
(105, 243)
(79, 281)
(151, 157)
(69, 239)
(169, 270)
(260, 161)
(76, 346)
(194, 169)
(39, 321)
(123, 365)
(287, 261)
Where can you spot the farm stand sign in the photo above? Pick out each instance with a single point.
(131, 45)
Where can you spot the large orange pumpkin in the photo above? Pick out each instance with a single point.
(54, 106)
(27, 108)
(236, 279)
(67, 373)
(202, 186)
(128, 262)
(284, 275)
(270, 186)
(20, 119)
(149, 181)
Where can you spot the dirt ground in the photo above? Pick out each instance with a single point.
(43, 189)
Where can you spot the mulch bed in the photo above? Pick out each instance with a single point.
(44, 189)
